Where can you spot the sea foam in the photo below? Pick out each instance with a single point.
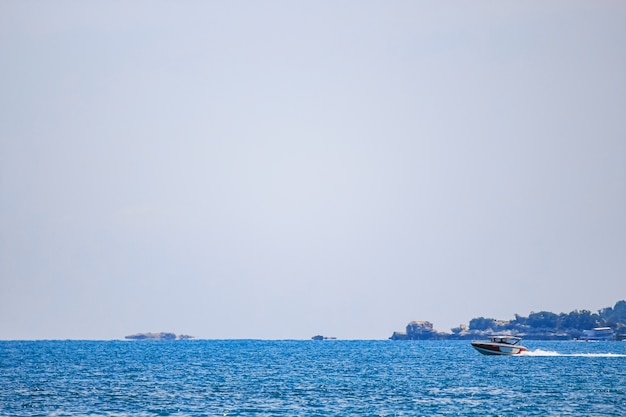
(540, 352)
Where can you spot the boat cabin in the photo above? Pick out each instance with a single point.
(507, 340)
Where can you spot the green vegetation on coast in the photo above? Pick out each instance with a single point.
(543, 325)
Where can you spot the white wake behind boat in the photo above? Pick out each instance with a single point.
(500, 345)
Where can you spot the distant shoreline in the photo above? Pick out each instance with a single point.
(606, 324)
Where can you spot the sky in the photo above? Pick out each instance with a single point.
(282, 169)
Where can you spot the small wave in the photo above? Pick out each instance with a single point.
(540, 352)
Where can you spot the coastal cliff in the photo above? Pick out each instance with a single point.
(542, 325)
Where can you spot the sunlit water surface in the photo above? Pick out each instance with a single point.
(309, 378)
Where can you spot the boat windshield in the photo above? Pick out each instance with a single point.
(509, 340)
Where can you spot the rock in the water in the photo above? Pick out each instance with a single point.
(158, 336)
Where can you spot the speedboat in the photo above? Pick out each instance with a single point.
(500, 345)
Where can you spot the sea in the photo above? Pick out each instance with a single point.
(309, 378)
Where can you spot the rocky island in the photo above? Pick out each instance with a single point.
(607, 324)
(320, 337)
(158, 336)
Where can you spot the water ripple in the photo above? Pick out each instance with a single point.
(302, 378)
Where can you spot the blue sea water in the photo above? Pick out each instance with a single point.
(308, 378)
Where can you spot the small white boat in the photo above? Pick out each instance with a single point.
(597, 334)
(500, 345)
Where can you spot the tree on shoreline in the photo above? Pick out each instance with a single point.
(546, 321)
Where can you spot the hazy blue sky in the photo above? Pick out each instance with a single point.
(280, 169)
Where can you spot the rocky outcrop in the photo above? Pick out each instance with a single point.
(419, 330)
(320, 337)
(158, 336)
